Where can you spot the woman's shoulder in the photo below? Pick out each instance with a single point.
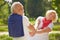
(40, 17)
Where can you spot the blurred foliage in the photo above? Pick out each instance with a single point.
(3, 28)
(3, 12)
(33, 8)
(22, 1)
(5, 37)
(54, 36)
(56, 6)
(56, 27)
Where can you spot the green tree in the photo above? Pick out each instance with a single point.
(3, 12)
(35, 8)
(22, 1)
(56, 6)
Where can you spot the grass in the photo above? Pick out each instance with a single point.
(5, 37)
(52, 36)
(56, 28)
(3, 28)
(59, 19)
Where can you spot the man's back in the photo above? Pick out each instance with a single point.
(15, 26)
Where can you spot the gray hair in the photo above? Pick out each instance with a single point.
(14, 4)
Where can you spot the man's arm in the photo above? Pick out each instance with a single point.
(30, 27)
(32, 30)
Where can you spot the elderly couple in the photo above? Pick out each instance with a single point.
(20, 28)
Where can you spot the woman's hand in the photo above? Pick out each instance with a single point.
(32, 30)
(38, 32)
(32, 33)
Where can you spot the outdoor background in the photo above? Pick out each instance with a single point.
(33, 9)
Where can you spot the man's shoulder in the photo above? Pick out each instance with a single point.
(15, 17)
(25, 21)
(25, 17)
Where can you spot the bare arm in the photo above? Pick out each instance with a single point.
(46, 30)
(32, 30)
(31, 27)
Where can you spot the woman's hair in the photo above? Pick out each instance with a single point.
(49, 12)
(14, 4)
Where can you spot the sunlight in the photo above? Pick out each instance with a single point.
(8, 0)
(49, 0)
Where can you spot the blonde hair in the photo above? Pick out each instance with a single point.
(49, 12)
(14, 4)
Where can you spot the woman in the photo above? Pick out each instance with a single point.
(44, 25)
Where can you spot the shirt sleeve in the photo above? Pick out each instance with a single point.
(50, 25)
(37, 20)
(26, 21)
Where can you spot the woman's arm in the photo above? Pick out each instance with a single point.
(46, 30)
(37, 23)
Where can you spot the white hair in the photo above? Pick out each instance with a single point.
(14, 4)
(50, 11)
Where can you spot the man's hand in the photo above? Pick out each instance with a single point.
(32, 30)
(32, 33)
(38, 32)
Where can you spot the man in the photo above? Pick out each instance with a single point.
(18, 24)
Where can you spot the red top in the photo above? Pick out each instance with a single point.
(46, 23)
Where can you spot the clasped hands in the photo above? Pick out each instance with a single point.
(33, 31)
